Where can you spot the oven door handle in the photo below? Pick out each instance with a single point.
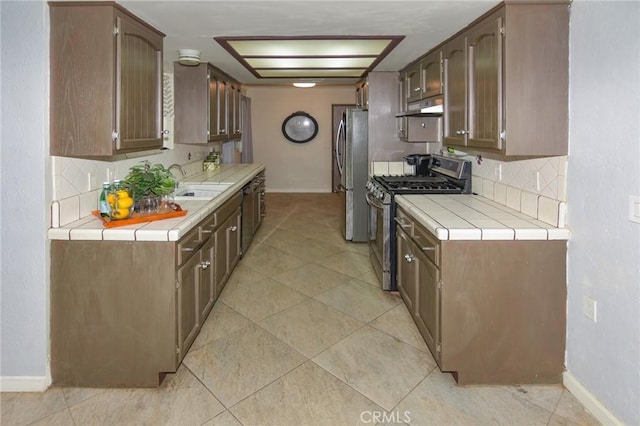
(373, 202)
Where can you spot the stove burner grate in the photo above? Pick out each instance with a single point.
(418, 184)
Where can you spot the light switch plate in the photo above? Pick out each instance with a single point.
(590, 308)
(634, 209)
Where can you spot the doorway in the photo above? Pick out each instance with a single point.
(337, 110)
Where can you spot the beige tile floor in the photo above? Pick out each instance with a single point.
(302, 335)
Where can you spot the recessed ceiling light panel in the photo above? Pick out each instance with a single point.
(310, 56)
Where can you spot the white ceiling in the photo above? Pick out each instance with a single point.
(193, 24)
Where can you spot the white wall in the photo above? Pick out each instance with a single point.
(604, 170)
(293, 167)
(25, 192)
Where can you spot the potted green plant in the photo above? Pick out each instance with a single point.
(149, 183)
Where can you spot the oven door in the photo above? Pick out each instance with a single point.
(379, 239)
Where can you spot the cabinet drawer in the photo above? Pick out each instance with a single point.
(208, 226)
(229, 206)
(404, 221)
(427, 243)
(188, 245)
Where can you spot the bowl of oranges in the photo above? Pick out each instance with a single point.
(120, 204)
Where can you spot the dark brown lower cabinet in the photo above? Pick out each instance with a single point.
(491, 312)
(124, 313)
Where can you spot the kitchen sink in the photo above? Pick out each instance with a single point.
(199, 191)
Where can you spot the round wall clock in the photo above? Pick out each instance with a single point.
(300, 127)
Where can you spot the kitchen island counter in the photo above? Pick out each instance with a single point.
(472, 217)
(71, 219)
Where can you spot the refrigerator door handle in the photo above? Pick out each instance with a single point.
(339, 133)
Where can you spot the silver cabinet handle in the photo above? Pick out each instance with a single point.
(188, 249)
(207, 231)
(409, 258)
(233, 228)
(417, 89)
(205, 264)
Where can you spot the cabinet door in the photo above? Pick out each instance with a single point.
(233, 225)
(221, 272)
(406, 271)
(207, 278)
(188, 303)
(455, 92)
(485, 84)
(414, 83)
(138, 86)
(402, 98)
(212, 129)
(223, 104)
(235, 96)
(428, 301)
(432, 74)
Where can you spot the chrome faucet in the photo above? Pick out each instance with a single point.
(179, 168)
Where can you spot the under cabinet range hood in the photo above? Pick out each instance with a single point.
(426, 107)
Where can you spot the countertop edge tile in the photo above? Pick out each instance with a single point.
(493, 221)
(58, 233)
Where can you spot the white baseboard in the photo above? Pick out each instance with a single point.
(24, 383)
(589, 401)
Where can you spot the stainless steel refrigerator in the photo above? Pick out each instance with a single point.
(351, 153)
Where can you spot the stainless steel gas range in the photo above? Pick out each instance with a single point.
(444, 175)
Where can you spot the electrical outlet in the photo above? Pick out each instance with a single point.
(534, 180)
(497, 173)
(590, 308)
(91, 182)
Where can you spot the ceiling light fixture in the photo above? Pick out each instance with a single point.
(189, 57)
(304, 84)
(310, 57)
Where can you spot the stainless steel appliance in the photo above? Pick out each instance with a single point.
(351, 153)
(253, 209)
(445, 175)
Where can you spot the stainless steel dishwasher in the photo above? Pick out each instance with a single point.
(253, 209)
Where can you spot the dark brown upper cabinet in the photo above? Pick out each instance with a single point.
(207, 105)
(106, 81)
(506, 82)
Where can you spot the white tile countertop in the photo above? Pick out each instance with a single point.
(71, 218)
(473, 217)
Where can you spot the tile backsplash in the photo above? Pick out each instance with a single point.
(551, 174)
(73, 176)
